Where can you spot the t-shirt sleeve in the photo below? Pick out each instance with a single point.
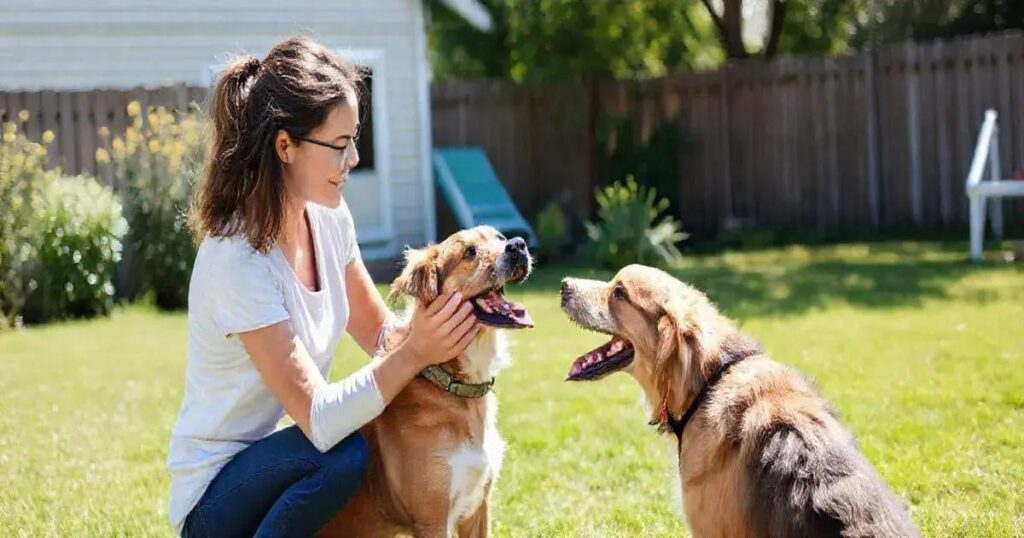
(350, 245)
(247, 295)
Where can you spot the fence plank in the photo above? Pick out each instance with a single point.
(69, 155)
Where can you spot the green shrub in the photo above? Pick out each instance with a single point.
(552, 231)
(23, 175)
(629, 230)
(80, 227)
(154, 164)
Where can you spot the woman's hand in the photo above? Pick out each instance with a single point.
(441, 330)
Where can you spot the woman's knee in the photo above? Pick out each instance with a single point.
(347, 461)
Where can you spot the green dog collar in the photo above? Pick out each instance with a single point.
(436, 375)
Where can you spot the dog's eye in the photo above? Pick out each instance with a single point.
(501, 237)
(470, 252)
(620, 293)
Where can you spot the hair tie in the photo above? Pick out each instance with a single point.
(251, 67)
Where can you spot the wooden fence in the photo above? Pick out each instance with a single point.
(869, 142)
(75, 118)
(875, 141)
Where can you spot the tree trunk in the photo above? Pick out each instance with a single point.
(730, 27)
(778, 17)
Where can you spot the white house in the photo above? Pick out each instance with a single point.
(91, 44)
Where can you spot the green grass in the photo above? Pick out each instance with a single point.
(921, 353)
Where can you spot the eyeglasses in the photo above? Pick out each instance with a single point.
(345, 153)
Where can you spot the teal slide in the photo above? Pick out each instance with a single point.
(476, 195)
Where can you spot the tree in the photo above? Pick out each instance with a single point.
(547, 40)
(729, 24)
(885, 21)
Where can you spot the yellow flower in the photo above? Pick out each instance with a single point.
(40, 150)
(154, 146)
(104, 131)
(102, 156)
(154, 120)
(24, 116)
(9, 137)
(10, 127)
(134, 109)
(48, 136)
(118, 144)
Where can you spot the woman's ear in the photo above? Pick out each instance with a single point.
(421, 277)
(284, 146)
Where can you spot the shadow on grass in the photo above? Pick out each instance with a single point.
(793, 280)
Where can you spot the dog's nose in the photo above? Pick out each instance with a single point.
(516, 244)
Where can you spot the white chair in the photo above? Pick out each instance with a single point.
(979, 191)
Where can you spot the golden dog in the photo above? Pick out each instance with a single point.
(435, 451)
(760, 454)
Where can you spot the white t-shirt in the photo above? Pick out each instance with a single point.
(234, 289)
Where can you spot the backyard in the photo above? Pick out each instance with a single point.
(919, 351)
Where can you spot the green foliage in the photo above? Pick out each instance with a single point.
(629, 229)
(155, 162)
(552, 40)
(80, 227)
(23, 174)
(885, 21)
(652, 163)
(552, 231)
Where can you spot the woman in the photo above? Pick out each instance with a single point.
(277, 270)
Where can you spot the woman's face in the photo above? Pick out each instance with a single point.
(314, 172)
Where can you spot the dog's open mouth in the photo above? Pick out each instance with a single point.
(613, 356)
(493, 309)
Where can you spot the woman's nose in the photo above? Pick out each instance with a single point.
(352, 156)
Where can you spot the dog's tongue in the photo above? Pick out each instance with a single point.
(518, 314)
(601, 361)
(503, 312)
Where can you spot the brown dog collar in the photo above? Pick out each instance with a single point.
(436, 375)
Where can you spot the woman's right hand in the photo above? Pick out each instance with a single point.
(441, 330)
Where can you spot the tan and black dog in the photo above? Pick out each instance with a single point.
(760, 453)
(435, 451)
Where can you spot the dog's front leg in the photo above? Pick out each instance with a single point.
(477, 525)
(431, 513)
(432, 530)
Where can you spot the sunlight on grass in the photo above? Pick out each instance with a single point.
(920, 352)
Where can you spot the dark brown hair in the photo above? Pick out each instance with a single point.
(293, 88)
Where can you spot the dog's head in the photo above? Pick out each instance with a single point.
(477, 263)
(657, 324)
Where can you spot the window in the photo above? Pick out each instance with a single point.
(367, 157)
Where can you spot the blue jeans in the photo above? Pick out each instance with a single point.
(279, 486)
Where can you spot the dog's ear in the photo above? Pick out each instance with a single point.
(677, 364)
(421, 277)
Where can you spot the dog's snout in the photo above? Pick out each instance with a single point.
(516, 245)
(566, 290)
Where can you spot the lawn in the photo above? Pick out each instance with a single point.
(921, 353)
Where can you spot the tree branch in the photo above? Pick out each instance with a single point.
(715, 18)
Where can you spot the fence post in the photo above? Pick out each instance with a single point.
(874, 201)
(916, 194)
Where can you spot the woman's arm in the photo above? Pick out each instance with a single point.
(438, 332)
(367, 307)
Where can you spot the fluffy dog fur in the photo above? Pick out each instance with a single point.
(434, 456)
(765, 455)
